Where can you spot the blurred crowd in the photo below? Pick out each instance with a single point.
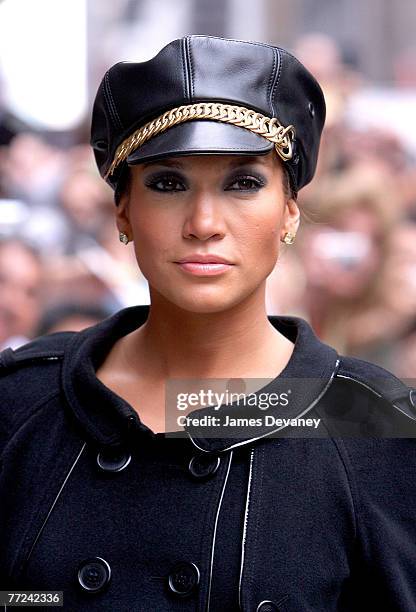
(351, 271)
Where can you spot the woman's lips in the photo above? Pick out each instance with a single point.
(204, 269)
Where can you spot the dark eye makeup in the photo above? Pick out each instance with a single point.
(166, 182)
(248, 182)
(171, 182)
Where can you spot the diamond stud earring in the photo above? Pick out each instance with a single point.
(123, 238)
(288, 238)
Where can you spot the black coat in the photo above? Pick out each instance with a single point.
(120, 519)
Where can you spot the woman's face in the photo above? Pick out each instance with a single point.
(207, 205)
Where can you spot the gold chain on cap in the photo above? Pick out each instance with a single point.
(268, 127)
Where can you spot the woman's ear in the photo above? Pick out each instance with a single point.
(291, 217)
(122, 213)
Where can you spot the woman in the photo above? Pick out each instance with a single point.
(262, 506)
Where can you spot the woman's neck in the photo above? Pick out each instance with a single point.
(174, 343)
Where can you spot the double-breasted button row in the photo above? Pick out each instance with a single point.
(94, 575)
(203, 466)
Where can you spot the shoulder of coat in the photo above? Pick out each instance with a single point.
(380, 382)
(44, 349)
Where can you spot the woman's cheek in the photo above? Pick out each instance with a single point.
(148, 251)
(268, 235)
(272, 248)
(264, 249)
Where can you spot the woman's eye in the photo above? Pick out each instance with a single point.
(166, 184)
(171, 184)
(245, 183)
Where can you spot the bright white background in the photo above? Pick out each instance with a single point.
(43, 61)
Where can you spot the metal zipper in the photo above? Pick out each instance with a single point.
(215, 529)
(245, 526)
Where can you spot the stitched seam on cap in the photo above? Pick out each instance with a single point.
(184, 68)
(279, 72)
(110, 100)
(188, 70)
(192, 91)
(293, 173)
(269, 86)
(248, 42)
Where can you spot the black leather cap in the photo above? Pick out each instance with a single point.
(263, 78)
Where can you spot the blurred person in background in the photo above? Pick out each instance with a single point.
(323, 56)
(66, 200)
(70, 316)
(402, 357)
(343, 252)
(85, 201)
(285, 288)
(32, 170)
(404, 68)
(375, 334)
(97, 269)
(21, 275)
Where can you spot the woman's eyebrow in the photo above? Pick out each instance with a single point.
(247, 159)
(168, 162)
(239, 161)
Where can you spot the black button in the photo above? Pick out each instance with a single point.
(267, 606)
(311, 109)
(203, 466)
(183, 579)
(113, 460)
(94, 574)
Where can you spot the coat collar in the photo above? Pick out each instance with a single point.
(108, 419)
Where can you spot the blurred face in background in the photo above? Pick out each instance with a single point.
(20, 278)
(343, 257)
(85, 200)
(31, 169)
(398, 279)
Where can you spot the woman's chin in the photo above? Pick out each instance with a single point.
(205, 302)
(205, 306)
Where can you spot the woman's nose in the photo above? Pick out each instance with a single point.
(204, 218)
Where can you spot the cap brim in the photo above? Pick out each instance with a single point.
(198, 137)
